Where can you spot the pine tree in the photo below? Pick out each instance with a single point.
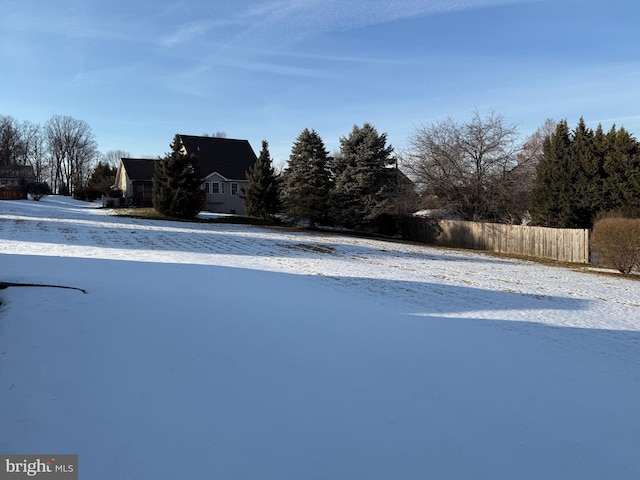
(306, 182)
(261, 197)
(177, 184)
(363, 186)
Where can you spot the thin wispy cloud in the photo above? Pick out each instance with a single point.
(71, 24)
(324, 64)
(283, 21)
(192, 30)
(363, 59)
(323, 15)
(275, 68)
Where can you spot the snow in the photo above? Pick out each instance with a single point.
(207, 350)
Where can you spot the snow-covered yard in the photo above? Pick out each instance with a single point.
(216, 351)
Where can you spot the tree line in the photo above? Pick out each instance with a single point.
(473, 170)
(586, 173)
(356, 188)
(476, 170)
(63, 152)
(557, 178)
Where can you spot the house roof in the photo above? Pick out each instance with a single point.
(229, 157)
(398, 177)
(15, 170)
(139, 169)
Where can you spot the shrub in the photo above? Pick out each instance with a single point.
(111, 202)
(38, 190)
(88, 194)
(115, 193)
(616, 241)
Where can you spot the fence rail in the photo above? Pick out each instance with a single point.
(562, 244)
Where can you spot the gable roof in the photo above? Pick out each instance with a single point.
(229, 157)
(139, 169)
(397, 176)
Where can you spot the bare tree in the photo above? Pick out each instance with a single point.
(11, 148)
(34, 142)
(112, 157)
(532, 148)
(72, 148)
(217, 134)
(517, 188)
(460, 164)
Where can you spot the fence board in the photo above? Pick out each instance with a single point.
(12, 192)
(562, 244)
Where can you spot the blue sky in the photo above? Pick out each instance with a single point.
(140, 71)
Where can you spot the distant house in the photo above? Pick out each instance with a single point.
(135, 178)
(20, 175)
(403, 197)
(223, 164)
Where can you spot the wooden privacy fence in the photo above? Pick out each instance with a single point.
(562, 244)
(12, 192)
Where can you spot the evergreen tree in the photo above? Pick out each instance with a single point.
(177, 184)
(101, 171)
(585, 173)
(363, 186)
(622, 173)
(261, 197)
(587, 153)
(306, 182)
(102, 177)
(555, 176)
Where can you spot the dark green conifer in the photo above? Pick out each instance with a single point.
(552, 192)
(261, 197)
(363, 186)
(585, 173)
(177, 184)
(622, 173)
(306, 182)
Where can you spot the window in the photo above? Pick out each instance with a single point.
(215, 187)
(234, 189)
(222, 188)
(206, 187)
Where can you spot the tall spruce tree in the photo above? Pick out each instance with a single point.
(261, 197)
(555, 177)
(587, 155)
(622, 173)
(306, 182)
(177, 184)
(363, 186)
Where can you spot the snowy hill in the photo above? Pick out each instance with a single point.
(238, 352)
